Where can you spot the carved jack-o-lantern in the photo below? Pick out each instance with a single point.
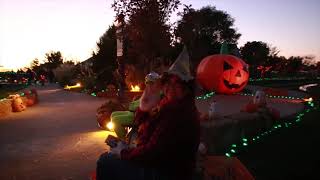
(221, 73)
(17, 104)
(31, 97)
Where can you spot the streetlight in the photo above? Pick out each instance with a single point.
(119, 23)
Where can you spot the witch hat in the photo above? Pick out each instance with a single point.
(181, 67)
(224, 48)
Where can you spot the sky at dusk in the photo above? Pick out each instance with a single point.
(31, 28)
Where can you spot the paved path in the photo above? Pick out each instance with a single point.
(56, 139)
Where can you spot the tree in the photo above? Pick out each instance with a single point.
(294, 64)
(309, 60)
(69, 62)
(204, 30)
(104, 61)
(35, 63)
(53, 60)
(38, 68)
(255, 53)
(147, 30)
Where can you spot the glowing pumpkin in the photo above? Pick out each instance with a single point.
(31, 97)
(105, 110)
(222, 73)
(17, 104)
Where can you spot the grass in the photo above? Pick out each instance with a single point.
(5, 91)
(287, 84)
(290, 153)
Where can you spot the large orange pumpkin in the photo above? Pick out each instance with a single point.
(222, 73)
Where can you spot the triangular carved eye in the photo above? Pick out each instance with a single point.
(227, 66)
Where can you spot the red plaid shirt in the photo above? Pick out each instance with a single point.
(168, 139)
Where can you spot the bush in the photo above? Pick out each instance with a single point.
(64, 74)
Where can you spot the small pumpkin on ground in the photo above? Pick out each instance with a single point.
(105, 110)
(17, 103)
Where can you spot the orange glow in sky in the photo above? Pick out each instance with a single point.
(29, 30)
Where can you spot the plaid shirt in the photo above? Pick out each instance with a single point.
(168, 139)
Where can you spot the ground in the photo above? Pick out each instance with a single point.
(288, 154)
(59, 138)
(56, 139)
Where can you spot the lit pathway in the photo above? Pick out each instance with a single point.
(56, 139)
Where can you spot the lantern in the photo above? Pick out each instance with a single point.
(222, 73)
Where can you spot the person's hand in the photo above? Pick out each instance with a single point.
(117, 150)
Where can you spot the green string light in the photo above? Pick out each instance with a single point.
(276, 126)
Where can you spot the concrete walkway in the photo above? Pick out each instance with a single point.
(56, 139)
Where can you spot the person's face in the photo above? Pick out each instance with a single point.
(173, 89)
(154, 86)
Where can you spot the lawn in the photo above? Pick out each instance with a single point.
(288, 84)
(6, 90)
(288, 153)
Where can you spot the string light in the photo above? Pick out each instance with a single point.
(245, 142)
(206, 96)
(278, 79)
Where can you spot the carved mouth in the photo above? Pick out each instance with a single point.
(232, 86)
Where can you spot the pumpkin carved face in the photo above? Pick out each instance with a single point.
(18, 105)
(225, 74)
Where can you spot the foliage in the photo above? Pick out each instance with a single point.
(204, 30)
(104, 61)
(147, 31)
(294, 64)
(255, 53)
(35, 63)
(64, 74)
(53, 59)
(133, 76)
